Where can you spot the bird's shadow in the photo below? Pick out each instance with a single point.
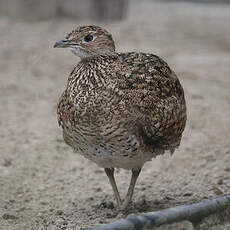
(135, 208)
(144, 205)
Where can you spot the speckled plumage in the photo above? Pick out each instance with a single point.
(119, 109)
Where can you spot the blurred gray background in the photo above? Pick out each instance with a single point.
(99, 10)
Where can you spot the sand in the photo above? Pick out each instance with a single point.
(44, 185)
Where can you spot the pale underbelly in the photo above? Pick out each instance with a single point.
(119, 159)
(125, 152)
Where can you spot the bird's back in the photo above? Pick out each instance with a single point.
(153, 90)
(122, 110)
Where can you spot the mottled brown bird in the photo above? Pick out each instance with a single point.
(119, 109)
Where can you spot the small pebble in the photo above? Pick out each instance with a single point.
(157, 202)
(109, 215)
(107, 204)
(227, 169)
(7, 162)
(8, 216)
(59, 212)
(143, 201)
(142, 188)
(44, 203)
(220, 181)
(98, 189)
(217, 190)
(21, 209)
(188, 194)
(170, 198)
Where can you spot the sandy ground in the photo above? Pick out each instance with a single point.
(44, 185)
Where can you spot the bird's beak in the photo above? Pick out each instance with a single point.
(62, 44)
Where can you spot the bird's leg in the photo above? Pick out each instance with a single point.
(135, 174)
(110, 173)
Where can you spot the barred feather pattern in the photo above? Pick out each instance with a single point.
(122, 110)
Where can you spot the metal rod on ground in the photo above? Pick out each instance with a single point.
(193, 212)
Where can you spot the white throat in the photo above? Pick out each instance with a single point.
(78, 52)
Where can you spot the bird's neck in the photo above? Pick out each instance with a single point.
(105, 54)
(92, 73)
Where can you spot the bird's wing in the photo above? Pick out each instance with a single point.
(154, 98)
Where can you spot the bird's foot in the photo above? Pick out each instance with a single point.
(122, 209)
(124, 205)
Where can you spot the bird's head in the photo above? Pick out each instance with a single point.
(88, 41)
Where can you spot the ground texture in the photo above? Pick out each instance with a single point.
(44, 185)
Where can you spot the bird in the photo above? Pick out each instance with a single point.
(119, 110)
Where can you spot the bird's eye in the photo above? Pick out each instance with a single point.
(88, 38)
